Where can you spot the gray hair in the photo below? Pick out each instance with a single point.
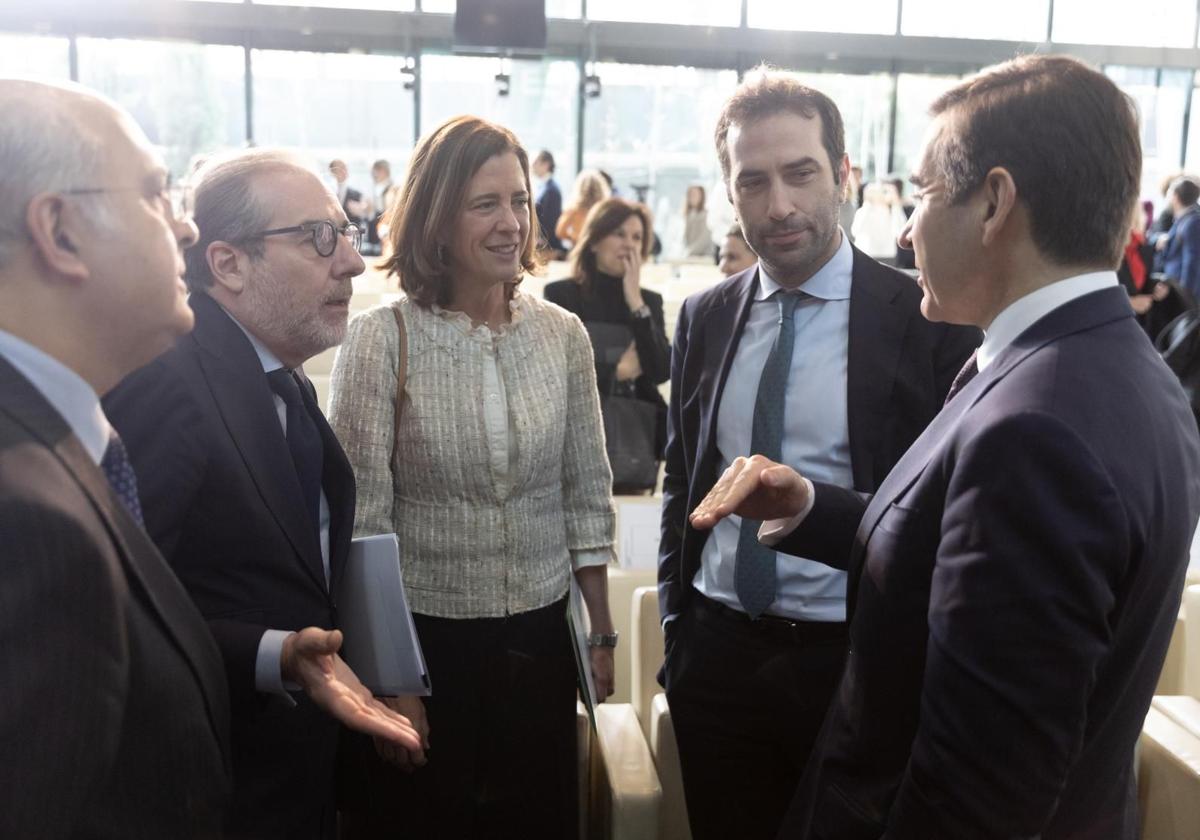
(45, 147)
(229, 206)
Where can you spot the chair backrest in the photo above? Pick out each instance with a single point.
(647, 653)
(1191, 641)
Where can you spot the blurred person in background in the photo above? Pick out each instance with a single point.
(878, 222)
(353, 204)
(591, 187)
(697, 238)
(735, 254)
(605, 289)
(1179, 248)
(382, 198)
(548, 202)
(489, 466)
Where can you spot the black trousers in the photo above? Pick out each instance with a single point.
(747, 701)
(502, 756)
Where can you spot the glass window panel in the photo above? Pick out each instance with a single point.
(1013, 20)
(539, 107)
(1161, 101)
(34, 57)
(1193, 143)
(865, 103)
(554, 8)
(334, 105)
(914, 94)
(651, 129)
(188, 98)
(692, 12)
(1151, 23)
(873, 17)
(382, 5)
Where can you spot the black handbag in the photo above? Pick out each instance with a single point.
(630, 428)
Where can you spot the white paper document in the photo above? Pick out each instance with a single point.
(381, 643)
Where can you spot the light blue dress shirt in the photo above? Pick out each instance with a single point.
(815, 431)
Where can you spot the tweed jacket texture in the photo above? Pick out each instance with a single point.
(472, 547)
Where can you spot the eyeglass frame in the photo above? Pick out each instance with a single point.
(176, 195)
(349, 229)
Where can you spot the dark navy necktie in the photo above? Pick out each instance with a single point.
(303, 440)
(119, 471)
(754, 571)
(964, 377)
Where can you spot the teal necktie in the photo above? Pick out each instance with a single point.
(754, 572)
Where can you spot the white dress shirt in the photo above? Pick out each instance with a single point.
(1013, 320)
(815, 431)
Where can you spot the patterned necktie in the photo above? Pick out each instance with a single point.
(303, 440)
(754, 571)
(119, 471)
(968, 372)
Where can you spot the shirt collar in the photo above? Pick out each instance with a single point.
(1024, 312)
(831, 282)
(69, 394)
(266, 358)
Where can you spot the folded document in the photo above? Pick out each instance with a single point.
(381, 643)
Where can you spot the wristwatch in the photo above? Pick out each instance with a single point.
(608, 640)
(642, 311)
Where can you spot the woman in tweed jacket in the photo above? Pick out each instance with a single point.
(498, 488)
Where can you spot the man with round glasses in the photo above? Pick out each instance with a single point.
(245, 488)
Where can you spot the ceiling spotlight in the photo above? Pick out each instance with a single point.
(591, 86)
(503, 84)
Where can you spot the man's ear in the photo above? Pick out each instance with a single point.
(844, 174)
(229, 266)
(999, 194)
(57, 232)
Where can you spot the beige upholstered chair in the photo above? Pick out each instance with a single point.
(653, 714)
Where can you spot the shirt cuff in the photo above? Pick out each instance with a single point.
(773, 530)
(268, 670)
(585, 557)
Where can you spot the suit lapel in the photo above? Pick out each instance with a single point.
(148, 571)
(337, 480)
(722, 331)
(243, 397)
(873, 356)
(1075, 316)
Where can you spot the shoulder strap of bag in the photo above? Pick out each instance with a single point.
(401, 377)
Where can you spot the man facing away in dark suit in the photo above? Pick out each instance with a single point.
(819, 356)
(247, 492)
(1015, 579)
(114, 715)
(548, 202)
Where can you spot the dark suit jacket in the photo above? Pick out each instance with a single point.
(900, 367)
(549, 208)
(1181, 257)
(114, 715)
(1018, 576)
(223, 503)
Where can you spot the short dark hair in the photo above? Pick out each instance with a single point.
(605, 217)
(1068, 137)
(1187, 191)
(435, 187)
(765, 92)
(545, 157)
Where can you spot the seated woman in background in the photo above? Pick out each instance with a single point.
(629, 337)
(590, 189)
(490, 469)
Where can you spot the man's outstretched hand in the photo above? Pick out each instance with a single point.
(754, 488)
(311, 661)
